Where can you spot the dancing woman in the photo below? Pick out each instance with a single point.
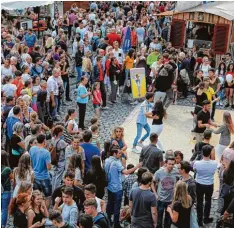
(158, 113)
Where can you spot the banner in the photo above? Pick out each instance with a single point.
(127, 40)
(138, 82)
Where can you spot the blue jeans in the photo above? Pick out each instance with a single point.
(5, 198)
(54, 109)
(79, 73)
(162, 206)
(114, 205)
(139, 132)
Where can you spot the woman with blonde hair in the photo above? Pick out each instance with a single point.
(49, 43)
(117, 138)
(38, 210)
(181, 206)
(226, 129)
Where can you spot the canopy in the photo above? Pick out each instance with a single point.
(223, 9)
(20, 5)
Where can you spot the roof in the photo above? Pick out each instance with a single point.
(223, 9)
(20, 5)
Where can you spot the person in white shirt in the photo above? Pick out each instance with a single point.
(205, 170)
(53, 91)
(118, 53)
(6, 69)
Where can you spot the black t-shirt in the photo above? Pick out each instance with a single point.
(204, 117)
(230, 208)
(64, 77)
(184, 215)
(20, 220)
(15, 139)
(200, 98)
(35, 55)
(157, 121)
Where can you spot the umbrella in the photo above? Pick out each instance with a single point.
(127, 41)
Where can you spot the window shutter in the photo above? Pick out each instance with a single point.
(220, 38)
(177, 33)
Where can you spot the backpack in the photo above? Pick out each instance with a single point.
(54, 154)
(99, 216)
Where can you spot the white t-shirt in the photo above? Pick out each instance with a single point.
(9, 89)
(205, 171)
(119, 55)
(6, 71)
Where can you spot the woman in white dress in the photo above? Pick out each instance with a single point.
(23, 173)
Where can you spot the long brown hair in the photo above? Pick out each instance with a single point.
(181, 194)
(24, 166)
(34, 196)
(227, 119)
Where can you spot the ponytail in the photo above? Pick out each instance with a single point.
(67, 117)
(12, 206)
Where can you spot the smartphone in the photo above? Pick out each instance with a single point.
(120, 54)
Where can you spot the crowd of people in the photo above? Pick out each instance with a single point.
(55, 170)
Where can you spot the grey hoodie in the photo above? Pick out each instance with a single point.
(191, 188)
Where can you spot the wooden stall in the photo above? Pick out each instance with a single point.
(80, 4)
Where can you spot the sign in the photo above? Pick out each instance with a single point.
(26, 24)
(138, 82)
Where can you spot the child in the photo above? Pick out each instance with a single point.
(127, 185)
(90, 193)
(97, 99)
(94, 122)
(95, 136)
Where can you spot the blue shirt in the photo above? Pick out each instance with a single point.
(145, 107)
(11, 120)
(30, 39)
(80, 92)
(40, 158)
(113, 169)
(90, 150)
(205, 171)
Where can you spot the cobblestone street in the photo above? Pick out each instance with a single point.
(122, 114)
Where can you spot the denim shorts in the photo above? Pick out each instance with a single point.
(96, 106)
(43, 186)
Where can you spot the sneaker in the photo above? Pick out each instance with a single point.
(220, 103)
(140, 144)
(69, 99)
(105, 108)
(134, 103)
(208, 220)
(232, 106)
(227, 105)
(134, 150)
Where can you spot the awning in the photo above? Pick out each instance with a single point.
(20, 5)
(223, 9)
(167, 13)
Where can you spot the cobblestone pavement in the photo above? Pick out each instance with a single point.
(115, 116)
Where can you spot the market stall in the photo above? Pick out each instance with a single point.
(210, 26)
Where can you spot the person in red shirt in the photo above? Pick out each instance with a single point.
(18, 82)
(98, 75)
(97, 98)
(113, 36)
(133, 38)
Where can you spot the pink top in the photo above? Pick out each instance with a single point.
(72, 17)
